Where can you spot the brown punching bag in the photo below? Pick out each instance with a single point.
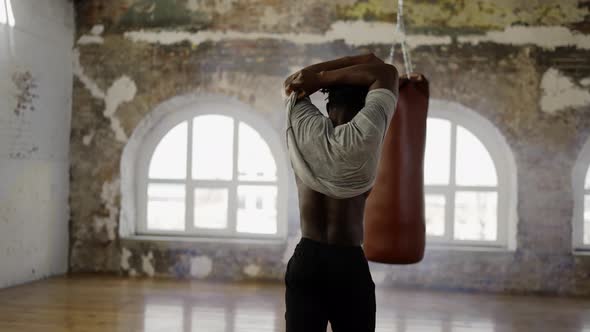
(394, 211)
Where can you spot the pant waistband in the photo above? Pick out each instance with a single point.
(309, 243)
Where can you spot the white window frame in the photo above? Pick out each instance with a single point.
(579, 173)
(504, 163)
(206, 105)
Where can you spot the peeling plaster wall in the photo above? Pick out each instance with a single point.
(35, 111)
(560, 92)
(520, 64)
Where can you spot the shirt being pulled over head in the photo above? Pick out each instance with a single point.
(338, 161)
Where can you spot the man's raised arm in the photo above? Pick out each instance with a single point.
(373, 76)
(331, 65)
(344, 62)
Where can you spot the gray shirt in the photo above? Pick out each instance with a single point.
(341, 161)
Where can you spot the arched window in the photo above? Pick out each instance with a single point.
(213, 169)
(469, 178)
(581, 187)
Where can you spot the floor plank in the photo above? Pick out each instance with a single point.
(98, 303)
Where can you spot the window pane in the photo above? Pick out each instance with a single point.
(213, 137)
(211, 208)
(476, 216)
(169, 158)
(163, 318)
(474, 163)
(206, 319)
(437, 158)
(258, 218)
(10, 13)
(165, 210)
(587, 219)
(255, 161)
(435, 215)
(3, 16)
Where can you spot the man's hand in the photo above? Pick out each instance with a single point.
(303, 82)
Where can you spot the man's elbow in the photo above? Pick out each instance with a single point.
(389, 72)
(387, 77)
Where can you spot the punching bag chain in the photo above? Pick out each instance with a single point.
(401, 31)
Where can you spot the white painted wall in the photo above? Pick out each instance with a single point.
(36, 73)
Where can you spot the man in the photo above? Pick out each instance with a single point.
(335, 161)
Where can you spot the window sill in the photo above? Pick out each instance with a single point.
(471, 248)
(207, 240)
(581, 252)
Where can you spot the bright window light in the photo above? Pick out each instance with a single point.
(474, 207)
(3, 14)
(10, 13)
(468, 180)
(210, 174)
(581, 182)
(6, 13)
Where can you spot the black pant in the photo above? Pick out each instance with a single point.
(329, 283)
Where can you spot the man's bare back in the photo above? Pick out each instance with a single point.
(330, 220)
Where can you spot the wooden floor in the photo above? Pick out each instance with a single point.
(111, 304)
